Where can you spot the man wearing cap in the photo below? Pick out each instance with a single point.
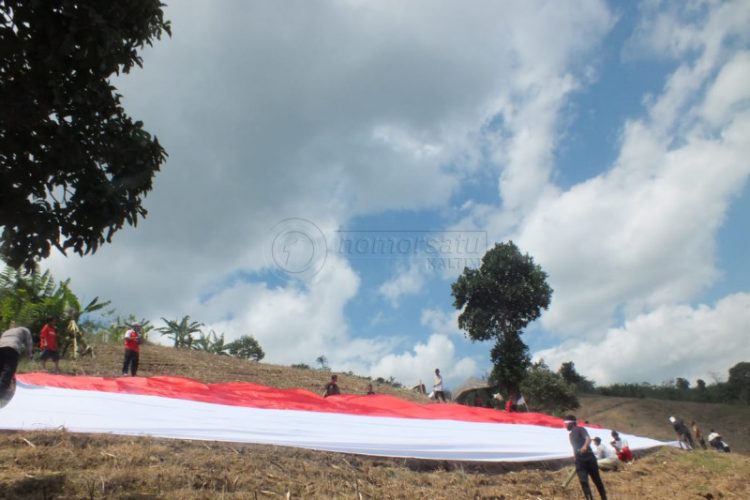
(683, 433)
(585, 460)
(12, 342)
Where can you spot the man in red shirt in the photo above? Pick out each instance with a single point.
(132, 349)
(48, 344)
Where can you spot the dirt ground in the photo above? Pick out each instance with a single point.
(64, 465)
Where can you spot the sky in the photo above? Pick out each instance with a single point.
(334, 165)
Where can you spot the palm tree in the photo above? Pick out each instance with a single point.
(181, 331)
(212, 343)
(32, 298)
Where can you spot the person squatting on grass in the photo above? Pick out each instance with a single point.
(12, 342)
(621, 447)
(332, 387)
(132, 351)
(606, 458)
(48, 344)
(584, 458)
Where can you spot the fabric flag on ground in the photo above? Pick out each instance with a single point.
(379, 425)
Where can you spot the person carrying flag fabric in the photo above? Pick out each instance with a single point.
(584, 458)
(132, 350)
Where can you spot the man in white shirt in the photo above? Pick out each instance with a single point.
(437, 387)
(605, 456)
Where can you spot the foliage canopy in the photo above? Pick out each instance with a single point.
(497, 301)
(246, 347)
(74, 167)
(547, 391)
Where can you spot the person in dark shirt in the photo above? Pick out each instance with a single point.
(683, 433)
(370, 391)
(584, 458)
(332, 387)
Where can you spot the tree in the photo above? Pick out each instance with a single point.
(210, 342)
(568, 372)
(74, 167)
(497, 301)
(682, 384)
(32, 298)
(322, 361)
(181, 331)
(246, 347)
(547, 391)
(738, 384)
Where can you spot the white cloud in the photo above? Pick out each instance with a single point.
(419, 364)
(642, 233)
(407, 282)
(343, 109)
(730, 92)
(441, 322)
(296, 323)
(669, 342)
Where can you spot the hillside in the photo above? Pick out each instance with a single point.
(58, 464)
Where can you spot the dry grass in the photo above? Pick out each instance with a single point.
(64, 465)
(159, 360)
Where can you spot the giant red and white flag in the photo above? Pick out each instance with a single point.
(380, 425)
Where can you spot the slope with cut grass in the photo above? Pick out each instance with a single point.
(58, 464)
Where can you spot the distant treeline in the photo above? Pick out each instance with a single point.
(736, 390)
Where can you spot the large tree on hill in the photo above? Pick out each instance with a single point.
(74, 168)
(497, 301)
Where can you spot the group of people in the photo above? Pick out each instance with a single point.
(438, 392)
(18, 339)
(688, 437)
(332, 387)
(592, 455)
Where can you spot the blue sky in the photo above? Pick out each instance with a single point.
(607, 139)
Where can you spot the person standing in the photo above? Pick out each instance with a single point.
(698, 434)
(12, 342)
(132, 351)
(584, 459)
(437, 387)
(48, 344)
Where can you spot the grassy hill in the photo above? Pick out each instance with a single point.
(59, 464)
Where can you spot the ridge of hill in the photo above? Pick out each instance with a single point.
(58, 464)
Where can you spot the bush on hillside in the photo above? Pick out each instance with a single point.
(547, 392)
(246, 347)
